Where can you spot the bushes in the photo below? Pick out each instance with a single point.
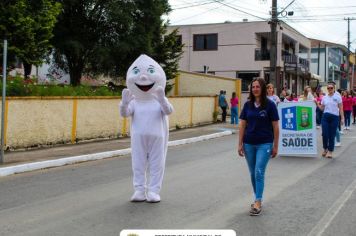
(17, 86)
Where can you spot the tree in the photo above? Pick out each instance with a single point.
(149, 36)
(87, 32)
(28, 25)
(106, 36)
(168, 52)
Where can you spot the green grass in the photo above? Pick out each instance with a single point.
(17, 87)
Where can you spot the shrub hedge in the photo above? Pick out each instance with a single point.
(18, 87)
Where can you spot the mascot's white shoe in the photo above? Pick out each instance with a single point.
(138, 196)
(153, 197)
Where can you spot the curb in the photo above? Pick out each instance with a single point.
(10, 170)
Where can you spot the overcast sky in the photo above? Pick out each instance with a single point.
(320, 19)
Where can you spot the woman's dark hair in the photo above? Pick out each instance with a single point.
(263, 98)
(233, 94)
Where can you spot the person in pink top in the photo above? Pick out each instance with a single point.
(234, 101)
(347, 105)
(354, 107)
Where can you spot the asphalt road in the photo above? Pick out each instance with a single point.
(206, 186)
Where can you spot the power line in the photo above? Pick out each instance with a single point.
(199, 14)
(249, 9)
(323, 8)
(195, 5)
(240, 10)
(341, 14)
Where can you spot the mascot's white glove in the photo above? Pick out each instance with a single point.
(126, 98)
(159, 95)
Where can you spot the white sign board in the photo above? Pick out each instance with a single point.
(297, 128)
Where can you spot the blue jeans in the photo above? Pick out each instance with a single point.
(319, 115)
(347, 118)
(257, 157)
(234, 117)
(337, 135)
(329, 124)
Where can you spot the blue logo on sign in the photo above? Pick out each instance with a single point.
(289, 118)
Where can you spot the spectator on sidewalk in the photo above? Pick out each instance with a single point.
(234, 101)
(331, 104)
(223, 105)
(258, 137)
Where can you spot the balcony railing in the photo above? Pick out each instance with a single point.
(288, 57)
(304, 62)
(294, 59)
(262, 54)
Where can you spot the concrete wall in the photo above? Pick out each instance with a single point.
(198, 84)
(36, 121)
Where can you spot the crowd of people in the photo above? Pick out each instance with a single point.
(259, 130)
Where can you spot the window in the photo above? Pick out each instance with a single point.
(247, 78)
(205, 42)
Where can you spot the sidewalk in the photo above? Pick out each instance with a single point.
(92, 150)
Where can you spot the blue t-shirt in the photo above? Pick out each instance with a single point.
(259, 127)
(222, 102)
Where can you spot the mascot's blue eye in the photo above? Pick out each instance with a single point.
(136, 71)
(151, 70)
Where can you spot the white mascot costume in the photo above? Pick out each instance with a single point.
(145, 102)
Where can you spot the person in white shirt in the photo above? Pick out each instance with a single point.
(271, 96)
(331, 104)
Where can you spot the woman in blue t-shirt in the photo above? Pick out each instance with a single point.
(258, 137)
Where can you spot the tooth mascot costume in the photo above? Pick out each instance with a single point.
(145, 102)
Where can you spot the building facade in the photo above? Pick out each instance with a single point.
(242, 50)
(329, 60)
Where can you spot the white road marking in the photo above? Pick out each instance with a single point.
(324, 223)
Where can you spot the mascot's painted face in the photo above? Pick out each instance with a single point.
(144, 76)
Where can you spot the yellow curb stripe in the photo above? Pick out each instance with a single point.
(5, 120)
(176, 86)
(74, 120)
(238, 93)
(191, 111)
(124, 125)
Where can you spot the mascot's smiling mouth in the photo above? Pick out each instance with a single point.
(145, 88)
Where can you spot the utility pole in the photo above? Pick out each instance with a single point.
(274, 73)
(353, 72)
(348, 50)
(273, 59)
(318, 59)
(3, 101)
